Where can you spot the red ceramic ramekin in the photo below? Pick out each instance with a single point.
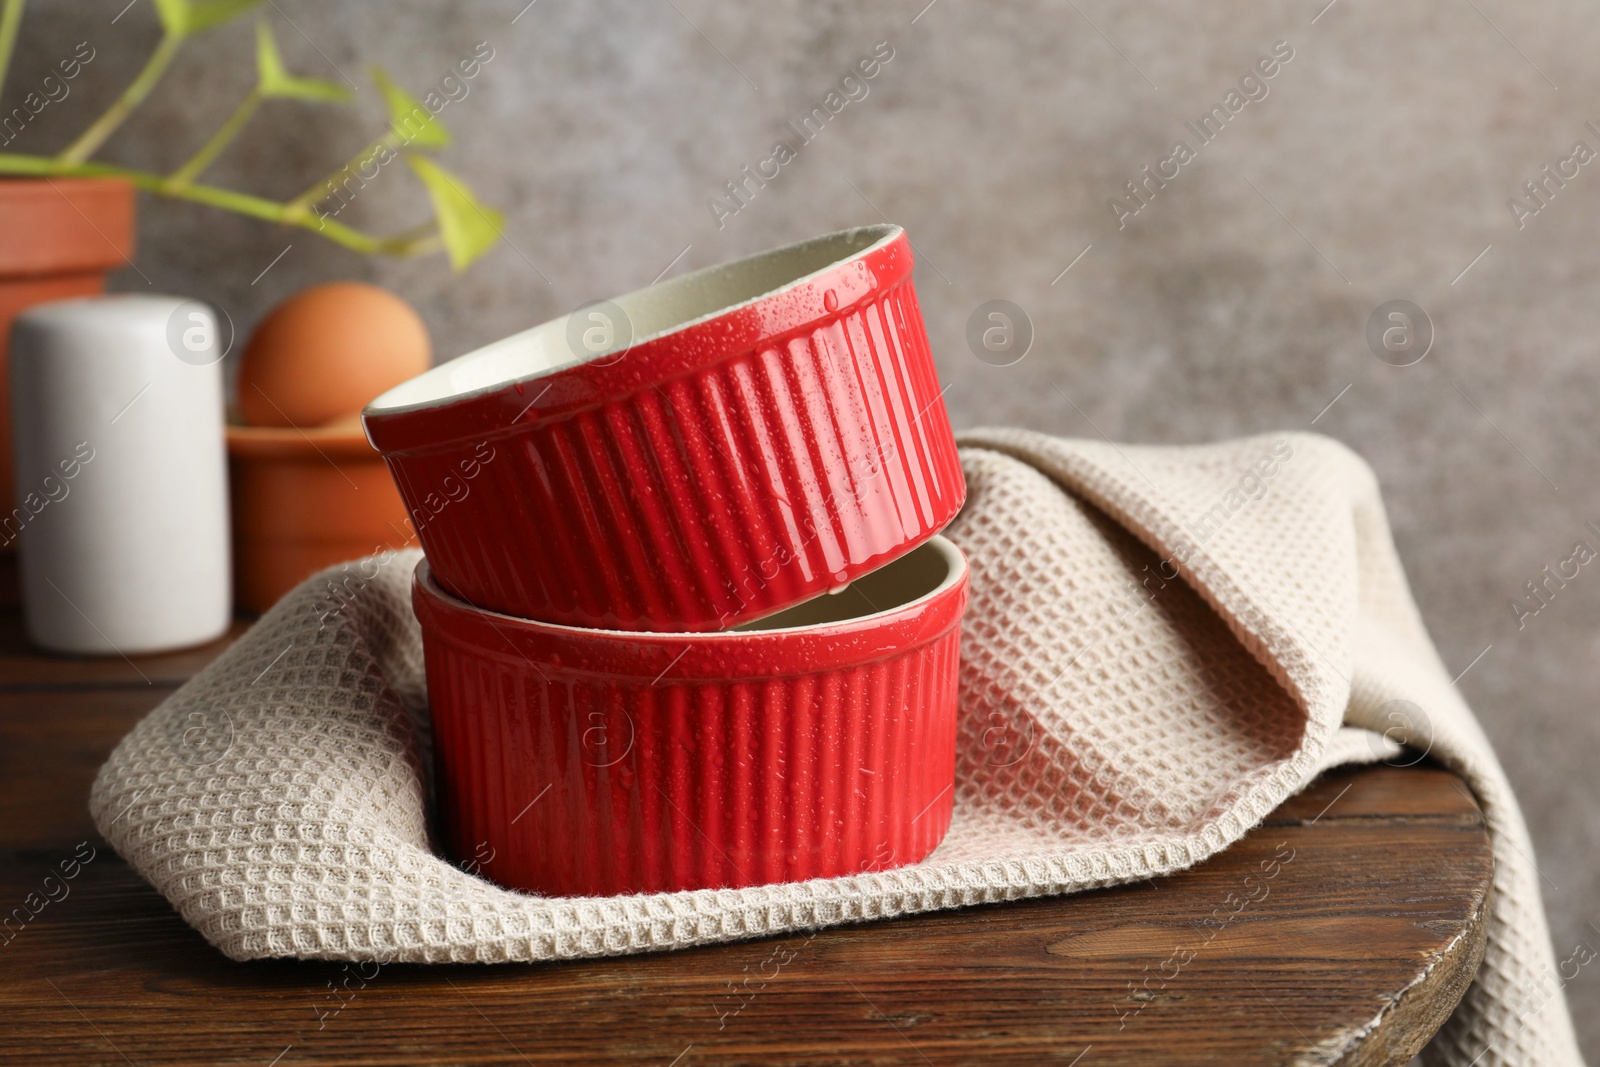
(592, 762)
(776, 430)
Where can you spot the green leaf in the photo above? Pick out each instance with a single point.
(413, 124)
(174, 16)
(468, 228)
(180, 18)
(274, 81)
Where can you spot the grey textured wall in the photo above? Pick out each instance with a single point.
(1377, 167)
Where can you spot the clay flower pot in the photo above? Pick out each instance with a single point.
(60, 238)
(304, 500)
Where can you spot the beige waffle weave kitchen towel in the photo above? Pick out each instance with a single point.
(1162, 645)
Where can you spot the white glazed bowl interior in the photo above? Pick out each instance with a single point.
(914, 579)
(653, 311)
(919, 575)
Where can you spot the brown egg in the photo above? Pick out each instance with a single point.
(324, 353)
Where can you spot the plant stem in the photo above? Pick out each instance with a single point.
(405, 244)
(10, 21)
(90, 140)
(301, 204)
(209, 151)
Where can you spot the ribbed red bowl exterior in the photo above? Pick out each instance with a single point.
(581, 765)
(706, 478)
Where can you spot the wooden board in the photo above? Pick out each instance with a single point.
(1342, 930)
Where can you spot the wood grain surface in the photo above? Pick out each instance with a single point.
(1340, 931)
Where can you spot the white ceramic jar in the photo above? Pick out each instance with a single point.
(121, 475)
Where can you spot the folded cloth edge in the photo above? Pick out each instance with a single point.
(1124, 481)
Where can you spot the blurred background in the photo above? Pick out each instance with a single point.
(1378, 166)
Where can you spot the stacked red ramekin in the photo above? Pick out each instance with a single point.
(633, 518)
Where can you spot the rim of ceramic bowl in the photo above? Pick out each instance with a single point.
(934, 575)
(681, 324)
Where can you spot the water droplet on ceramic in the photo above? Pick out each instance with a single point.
(830, 300)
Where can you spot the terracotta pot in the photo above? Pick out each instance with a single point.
(304, 500)
(58, 239)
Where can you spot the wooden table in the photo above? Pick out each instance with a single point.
(1343, 930)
